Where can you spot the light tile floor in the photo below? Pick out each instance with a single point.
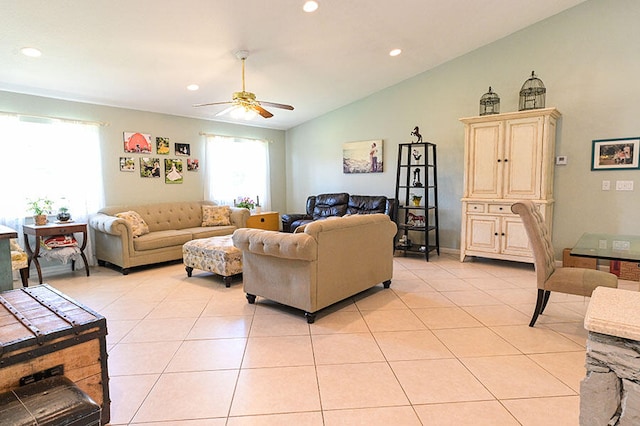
(447, 344)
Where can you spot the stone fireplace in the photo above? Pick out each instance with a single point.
(610, 392)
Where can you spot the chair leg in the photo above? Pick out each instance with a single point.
(547, 293)
(24, 276)
(539, 307)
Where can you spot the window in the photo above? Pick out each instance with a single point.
(49, 158)
(236, 168)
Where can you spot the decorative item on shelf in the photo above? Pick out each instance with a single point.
(532, 94)
(415, 219)
(40, 209)
(404, 241)
(416, 199)
(416, 155)
(246, 202)
(416, 177)
(489, 103)
(416, 133)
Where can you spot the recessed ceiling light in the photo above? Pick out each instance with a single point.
(193, 87)
(310, 6)
(395, 52)
(31, 52)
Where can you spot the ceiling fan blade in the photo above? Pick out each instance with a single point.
(275, 105)
(263, 112)
(213, 103)
(226, 110)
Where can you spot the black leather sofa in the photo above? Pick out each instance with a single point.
(338, 204)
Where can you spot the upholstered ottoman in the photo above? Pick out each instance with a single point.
(215, 254)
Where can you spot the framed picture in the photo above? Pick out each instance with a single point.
(193, 164)
(127, 164)
(172, 170)
(362, 157)
(137, 142)
(183, 149)
(149, 167)
(612, 154)
(162, 146)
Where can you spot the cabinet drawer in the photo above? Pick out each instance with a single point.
(475, 208)
(500, 208)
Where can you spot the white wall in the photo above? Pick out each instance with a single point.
(589, 59)
(130, 188)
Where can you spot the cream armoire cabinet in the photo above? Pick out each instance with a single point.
(507, 157)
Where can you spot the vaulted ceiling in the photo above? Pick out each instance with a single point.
(142, 54)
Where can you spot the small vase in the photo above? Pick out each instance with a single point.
(416, 201)
(40, 219)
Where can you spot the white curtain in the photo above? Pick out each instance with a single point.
(49, 158)
(237, 168)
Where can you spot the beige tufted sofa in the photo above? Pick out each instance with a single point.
(170, 226)
(330, 260)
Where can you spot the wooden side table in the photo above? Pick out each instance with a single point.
(265, 220)
(48, 230)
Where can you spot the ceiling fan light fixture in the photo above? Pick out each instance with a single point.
(240, 112)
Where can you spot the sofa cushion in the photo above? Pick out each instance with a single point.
(216, 215)
(211, 231)
(330, 205)
(367, 204)
(138, 225)
(161, 239)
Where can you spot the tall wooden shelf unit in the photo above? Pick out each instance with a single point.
(417, 223)
(507, 157)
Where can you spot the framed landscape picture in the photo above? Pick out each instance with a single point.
(362, 157)
(612, 154)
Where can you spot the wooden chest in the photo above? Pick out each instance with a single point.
(45, 333)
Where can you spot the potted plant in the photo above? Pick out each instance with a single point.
(63, 214)
(40, 209)
(247, 203)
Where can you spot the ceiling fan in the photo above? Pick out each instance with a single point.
(245, 102)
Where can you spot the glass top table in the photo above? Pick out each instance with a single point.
(608, 246)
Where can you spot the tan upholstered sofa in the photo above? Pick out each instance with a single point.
(170, 226)
(330, 260)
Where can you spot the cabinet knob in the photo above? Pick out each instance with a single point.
(506, 159)
(500, 208)
(499, 160)
(496, 234)
(502, 234)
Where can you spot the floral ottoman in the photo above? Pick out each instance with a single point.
(215, 254)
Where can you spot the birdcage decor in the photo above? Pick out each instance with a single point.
(490, 103)
(532, 94)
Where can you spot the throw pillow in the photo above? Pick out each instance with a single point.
(58, 241)
(216, 215)
(138, 225)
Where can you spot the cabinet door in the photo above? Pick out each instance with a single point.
(484, 171)
(483, 234)
(523, 158)
(515, 240)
